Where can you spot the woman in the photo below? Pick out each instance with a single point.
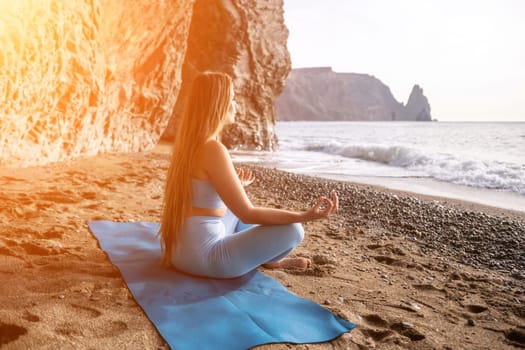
(204, 198)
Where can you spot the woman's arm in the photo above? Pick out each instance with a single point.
(221, 172)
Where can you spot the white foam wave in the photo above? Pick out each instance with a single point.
(441, 166)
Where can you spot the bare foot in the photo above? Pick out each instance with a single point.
(289, 263)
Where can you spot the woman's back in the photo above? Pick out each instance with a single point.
(205, 199)
(204, 195)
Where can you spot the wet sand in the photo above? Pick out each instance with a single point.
(413, 271)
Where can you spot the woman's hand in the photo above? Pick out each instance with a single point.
(246, 176)
(323, 208)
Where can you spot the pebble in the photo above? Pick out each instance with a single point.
(415, 306)
(407, 324)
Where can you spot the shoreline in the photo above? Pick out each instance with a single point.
(412, 271)
(444, 191)
(425, 187)
(463, 203)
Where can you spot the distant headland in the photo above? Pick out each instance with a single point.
(322, 94)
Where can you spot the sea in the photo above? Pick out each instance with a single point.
(480, 162)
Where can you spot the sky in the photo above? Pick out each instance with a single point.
(467, 55)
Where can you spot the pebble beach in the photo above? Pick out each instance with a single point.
(412, 271)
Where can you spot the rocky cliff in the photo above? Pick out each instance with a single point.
(322, 94)
(82, 77)
(246, 39)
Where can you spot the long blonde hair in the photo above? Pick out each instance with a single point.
(204, 115)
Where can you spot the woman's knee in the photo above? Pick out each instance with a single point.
(296, 233)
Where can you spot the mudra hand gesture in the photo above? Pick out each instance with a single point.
(246, 176)
(324, 207)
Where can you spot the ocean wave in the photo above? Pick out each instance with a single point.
(440, 166)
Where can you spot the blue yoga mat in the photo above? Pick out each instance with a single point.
(203, 313)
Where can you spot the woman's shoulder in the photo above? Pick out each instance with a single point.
(213, 146)
(213, 156)
(213, 151)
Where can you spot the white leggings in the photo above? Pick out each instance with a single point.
(225, 247)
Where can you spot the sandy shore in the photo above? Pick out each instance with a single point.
(414, 272)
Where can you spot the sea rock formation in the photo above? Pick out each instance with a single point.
(322, 94)
(82, 77)
(417, 106)
(246, 39)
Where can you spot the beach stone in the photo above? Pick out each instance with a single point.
(323, 259)
(407, 324)
(409, 332)
(415, 306)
